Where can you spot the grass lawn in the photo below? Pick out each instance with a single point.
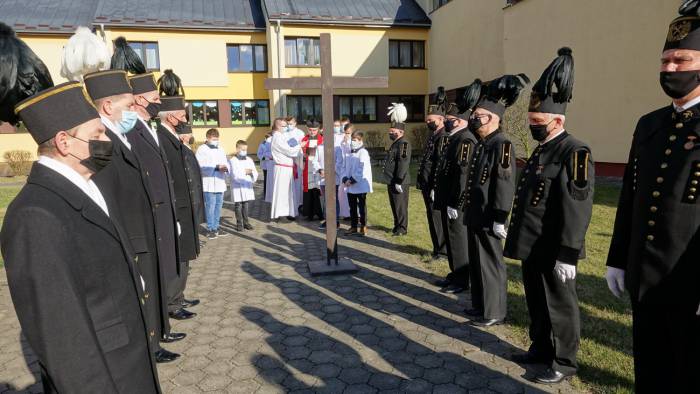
(606, 346)
(7, 194)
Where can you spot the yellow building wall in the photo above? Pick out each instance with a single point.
(616, 46)
(356, 51)
(200, 60)
(466, 42)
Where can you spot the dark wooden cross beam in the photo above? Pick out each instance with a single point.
(327, 82)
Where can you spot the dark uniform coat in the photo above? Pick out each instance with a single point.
(76, 290)
(194, 177)
(457, 157)
(156, 170)
(124, 180)
(488, 200)
(181, 173)
(395, 172)
(425, 182)
(657, 242)
(551, 213)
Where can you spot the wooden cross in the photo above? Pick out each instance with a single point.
(327, 83)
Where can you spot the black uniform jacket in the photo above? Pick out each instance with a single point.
(428, 163)
(156, 170)
(458, 154)
(491, 181)
(658, 214)
(398, 159)
(553, 202)
(194, 174)
(125, 181)
(184, 211)
(70, 273)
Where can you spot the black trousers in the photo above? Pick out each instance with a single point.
(176, 292)
(312, 204)
(358, 203)
(555, 323)
(666, 332)
(264, 183)
(241, 211)
(399, 207)
(488, 273)
(456, 241)
(434, 216)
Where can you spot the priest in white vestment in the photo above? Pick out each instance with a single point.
(284, 150)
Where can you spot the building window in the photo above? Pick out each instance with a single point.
(406, 54)
(302, 51)
(439, 3)
(148, 52)
(359, 109)
(304, 107)
(204, 113)
(247, 58)
(250, 112)
(415, 106)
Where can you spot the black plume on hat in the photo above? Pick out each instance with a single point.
(560, 75)
(467, 100)
(22, 73)
(169, 84)
(689, 7)
(125, 58)
(439, 106)
(503, 92)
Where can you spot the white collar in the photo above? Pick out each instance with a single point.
(687, 105)
(87, 186)
(451, 133)
(552, 136)
(108, 123)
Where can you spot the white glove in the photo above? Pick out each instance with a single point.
(179, 229)
(698, 312)
(452, 213)
(500, 230)
(398, 188)
(565, 271)
(432, 195)
(616, 281)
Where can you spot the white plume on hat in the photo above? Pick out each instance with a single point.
(398, 113)
(84, 53)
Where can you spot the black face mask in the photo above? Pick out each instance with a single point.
(680, 83)
(539, 132)
(475, 124)
(153, 109)
(432, 126)
(393, 137)
(181, 128)
(100, 154)
(450, 124)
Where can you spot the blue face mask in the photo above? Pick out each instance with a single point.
(127, 123)
(337, 129)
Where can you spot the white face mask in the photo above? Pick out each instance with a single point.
(337, 129)
(242, 153)
(355, 145)
(214, 143)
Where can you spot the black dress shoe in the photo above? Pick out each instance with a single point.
(551, 376)
(454, 289)
(247, 226)
(182, 314)
(188, 303)
(486, 322)
(528, 358)
(164, 356)
(399, 233)
(173, 337)
(442, 282)
(473, 312)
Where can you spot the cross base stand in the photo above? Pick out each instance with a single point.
(320, 267)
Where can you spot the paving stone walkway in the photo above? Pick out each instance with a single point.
(266, 326)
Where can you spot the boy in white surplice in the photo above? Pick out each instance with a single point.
(243, 176)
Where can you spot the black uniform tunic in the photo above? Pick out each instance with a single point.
(455, 175)
(395, 172)
(488, 200)
(185, 213)
(122, 179)
(551, 213)
(156, 172)
(656, 242)
(194, 179)
(425, 181)
(77, 295)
